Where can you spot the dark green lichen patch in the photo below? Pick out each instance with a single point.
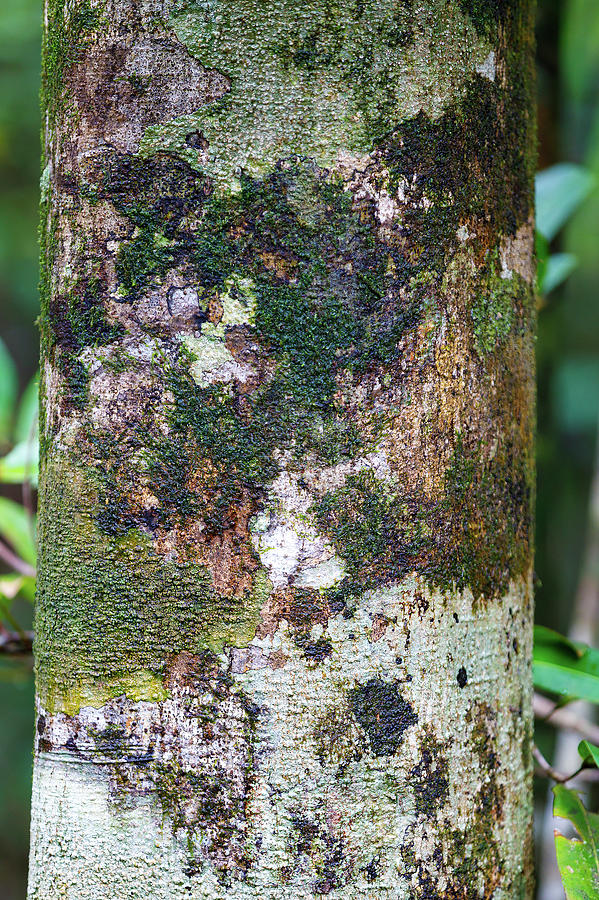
(484, 13)
(162, 198)
(314, 841)
(429, 778)
(324, 303)
(379, 536)
(372, 870)
(475, 534)
(214, 447)
(450, 180)
(72, 323)
(314, 651)
(383, 714)
(69, 30)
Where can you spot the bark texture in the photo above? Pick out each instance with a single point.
(284, 610)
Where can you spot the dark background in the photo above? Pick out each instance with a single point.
(568, 344)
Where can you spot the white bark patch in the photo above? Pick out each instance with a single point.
(214, 363)
(284, 536)
(487, 67)
(183, 301)
(213, 360)
(336, 803)
(516, 254)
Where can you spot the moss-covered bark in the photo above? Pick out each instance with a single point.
(287, 474)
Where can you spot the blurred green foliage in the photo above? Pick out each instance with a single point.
(568, 360)
(20, 24)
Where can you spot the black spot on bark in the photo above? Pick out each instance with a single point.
(383, 714)
(196, 140)
(430, 782)
(324, 849)
(314, 651)
(151, 518)
(462, 677)
(372, 869)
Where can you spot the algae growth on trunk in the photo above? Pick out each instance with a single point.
(283, 625)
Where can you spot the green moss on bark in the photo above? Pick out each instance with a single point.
(476, 534)
(313, 69)
(110, 610)
(70, 27)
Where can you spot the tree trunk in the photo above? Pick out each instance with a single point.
(284, 611)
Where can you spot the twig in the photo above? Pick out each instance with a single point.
(15, 644)
(544, 768)
(562, 717)
(15, 562)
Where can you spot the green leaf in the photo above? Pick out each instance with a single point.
(27, 413)
(589, 753)
(575, 392)
(10, 585)
(16, 528)
(20, 464)
(549, 637)
(565, 667)
(8, 392)
(28, 589)
(558, 268)
(559, 191)
(578, 860)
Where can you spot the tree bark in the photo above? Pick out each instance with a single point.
(283, 630)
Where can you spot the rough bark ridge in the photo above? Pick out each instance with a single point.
(283, 623)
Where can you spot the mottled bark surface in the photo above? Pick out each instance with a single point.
(284, 608)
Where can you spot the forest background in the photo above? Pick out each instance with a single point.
(568, 351)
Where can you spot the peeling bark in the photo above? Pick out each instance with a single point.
(284, 609)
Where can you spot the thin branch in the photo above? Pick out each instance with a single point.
(15, 644)
(562, 717)
(548, 771)
(15, 562)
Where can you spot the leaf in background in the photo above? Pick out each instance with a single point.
(542, 253)
(575, 393)
(559, 191)
(551, 638)
(589, 753)
(16, 528)
(26, 420)
(20, 464)
(28, 588)
(559, 266)
(10, 585)
(565, 667)
(578, 860)
(8, 392)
